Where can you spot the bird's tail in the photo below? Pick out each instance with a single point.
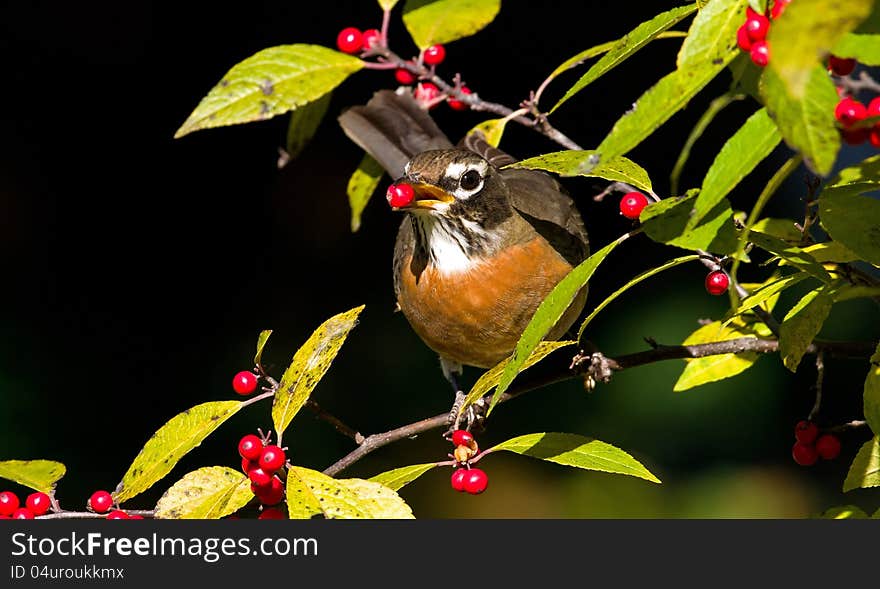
(392, 128)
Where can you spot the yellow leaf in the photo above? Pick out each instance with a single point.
(211, 492)
(311, 493)
(40, 475)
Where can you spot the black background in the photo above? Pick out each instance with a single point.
(138, 269)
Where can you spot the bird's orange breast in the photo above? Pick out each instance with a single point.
(475, 317)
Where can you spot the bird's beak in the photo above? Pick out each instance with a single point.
(428, 196)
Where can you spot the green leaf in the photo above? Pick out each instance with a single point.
(844, 512)
(738, 157)
(304, 122)
(641, 277)
(577, 451)
(699, 371)
(806, 122)
(794, 255)
(271, 82)
(492, 130)
(400, 477)
(806, 33)
(865, 469)
(311, 493)
(802, 324)
(585, 163)
(170, 443)
(211, 492)
(759, 6)
(492, 377)
(872, 393)
(769, 292)
(848, 292)
(387, 4)
(261, 343)
(784, 229)
(548, 314)
(852, 219)
(712, 34)
(866, 171)
(39, 475)
(864, 48)
(657, 105)
(361, 187)
(625, 47)
(309, 365)
(666, 222)
(442, 21)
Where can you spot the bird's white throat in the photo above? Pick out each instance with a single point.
(447, 246)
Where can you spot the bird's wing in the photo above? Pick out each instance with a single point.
(477, 143)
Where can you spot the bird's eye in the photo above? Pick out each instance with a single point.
(470, 180)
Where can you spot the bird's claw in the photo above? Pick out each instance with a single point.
(474, 415)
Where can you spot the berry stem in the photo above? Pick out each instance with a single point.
(386, 20)
(820, 376)
(854, 424)
(853, 86)
(147, 513)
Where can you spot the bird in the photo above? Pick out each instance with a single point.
(480, 245)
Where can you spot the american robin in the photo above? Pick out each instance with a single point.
(480, 245)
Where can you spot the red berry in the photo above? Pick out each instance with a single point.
(461, 437)
(632, 203)
(760, 53)
(23, 513)
(778, 8)
(350, 40)
(828, 446)
(371, 38)
(475, 481)
(270, 494)
(849, 111)
(259, 477)
(250, 447)
(458, 104)
(272, 513)
(873, 109)
(427, 93)
(404, 76)
(400, 195)
(742, 39)
(756, 27)
(806, 432)
(135, 517)
(248, 465)
(874, 136)
(841, 66)
(855, 136)
(458, 479)
(804, 454)
(38, 503)
(272, 458)
(434, 55)
(8, 503)
(117, 514)
(244, 383)
(5, 517)
(101, 501)
(717, 282)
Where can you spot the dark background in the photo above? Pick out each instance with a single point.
(138, 269)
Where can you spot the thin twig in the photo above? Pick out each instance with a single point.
(820, 376)
(147, 513)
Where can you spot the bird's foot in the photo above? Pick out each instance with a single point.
(473, 416)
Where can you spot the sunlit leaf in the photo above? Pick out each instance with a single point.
(866, 171)
(784, 229)
(361, 187)
(577, 451)
(492, 130)
(794, 255)
(271, 82)
(170, 443)
(770, 291)
(864, 471)
(844, 512)
(211, 492)
(40, 475)
(864, 48)
(387, 4)
(712, 33)
(699, 371)
(443, 21)
(311, 493)
(802, 324)
(872, 393)
(586, 163)
(400, 477)
(852, 219)
(309, 365)
(667, 222)
(261, 343)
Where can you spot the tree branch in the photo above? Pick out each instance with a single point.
(599, 368)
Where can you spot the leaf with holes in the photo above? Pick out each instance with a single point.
(587, 163)
(309, 365)
(442, 21)
(398, 478)
(852, 218)
(40, 475)
(170, 443)
(864, 471)
(625, 47)
(211, 492)
(577, 451)
(667, 222)
(311, 493)
(361, 187)
(802, 324)
(271, 82)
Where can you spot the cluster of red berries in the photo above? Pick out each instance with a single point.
(849, 112)
(810, 446)
(261, 461)
(102, 502)
(244, 383)
(466, 479)
(352, 40)
(752, 35)
(34, 505)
